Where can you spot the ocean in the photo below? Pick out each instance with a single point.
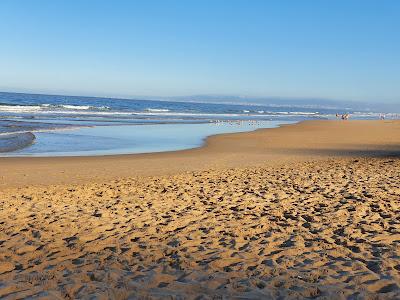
(53, 125)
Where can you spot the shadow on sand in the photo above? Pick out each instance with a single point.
(392, 151)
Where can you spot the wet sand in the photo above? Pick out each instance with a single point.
(303, 211)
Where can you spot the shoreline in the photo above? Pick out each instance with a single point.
(289, 142)
(202, 141)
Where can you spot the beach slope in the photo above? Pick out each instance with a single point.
(305, 140)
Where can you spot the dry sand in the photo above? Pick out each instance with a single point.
(303, 211)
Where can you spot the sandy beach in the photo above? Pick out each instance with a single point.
(309, 210)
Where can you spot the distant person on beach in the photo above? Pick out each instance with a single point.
(345, 116)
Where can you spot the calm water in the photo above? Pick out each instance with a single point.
(47, 125)
(105, 140)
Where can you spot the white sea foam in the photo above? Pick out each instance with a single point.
(78, 107)
(49, 108)
(75, 107)
(20, 108)
(157, 110)
(106, 111)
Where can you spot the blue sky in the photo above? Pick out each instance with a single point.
(309, 48)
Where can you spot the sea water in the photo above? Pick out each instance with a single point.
(128, 139)
(48, 125)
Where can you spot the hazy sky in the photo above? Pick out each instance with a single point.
(332, 49)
